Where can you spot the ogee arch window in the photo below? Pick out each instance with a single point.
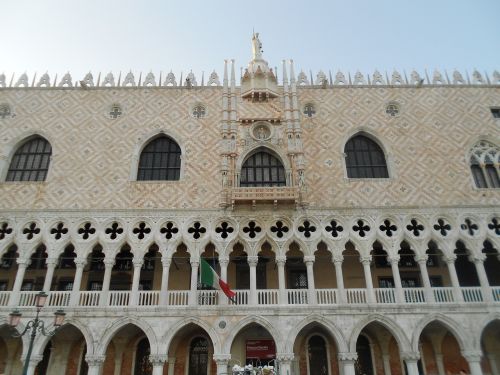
(262, 169)
(30, 161)
(484, 161)
(160, 161)
(364, 158)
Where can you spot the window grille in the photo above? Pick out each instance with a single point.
(262, 169)
(365, 159)
(160, 161)
(31, 161)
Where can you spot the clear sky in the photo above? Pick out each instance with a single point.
(162, 35)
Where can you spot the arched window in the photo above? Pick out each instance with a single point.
(160, 160)
(484, 161)
(262, 169)
(31, 161)
(364, 158)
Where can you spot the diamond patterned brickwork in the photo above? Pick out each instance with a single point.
(93, 155)
(426, 145)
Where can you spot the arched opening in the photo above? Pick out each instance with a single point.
(128, 352)
(207, 295)
(193, 351)
(64, 353)
(483, 157)
(364, 158)
(267, 276)
(254, 345)
(353, 274)
(437, 269)
(383, 275)
(490, 344)
(35, 278)
(121, 277)
(378, 351)
(10, 352)
(30, 161)
(440, 350)
(324, 270)
(94, 270)
(160, 160)
(64, 274)
(315, 351)
(8, 268)
(466, 271)
(150, 271)
(238, 269)
(262, 168)
(296, 273)
(492, 264)
(408, 267)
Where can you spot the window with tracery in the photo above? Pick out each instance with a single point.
(262, 169)
(160, 161)
(31, 161)
(484, 164)
(364, 158)
(199, 111)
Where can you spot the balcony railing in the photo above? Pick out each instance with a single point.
(255, 195)
(262, 297)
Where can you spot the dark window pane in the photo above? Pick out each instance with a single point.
(364, 159)
(262, 169)
(479, 179)
(493, 175)
(31, 161)
(160, 160)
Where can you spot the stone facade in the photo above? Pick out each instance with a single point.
(399, 274)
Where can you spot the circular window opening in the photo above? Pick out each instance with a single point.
(392, 109)
(115, 111)
(309, 110)
(199, 111)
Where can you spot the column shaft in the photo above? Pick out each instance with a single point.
(454, 280)
(193, 300)
(108, 268)
(340, 281)
(223, 262)
(281, 280)
(16, 289)
(422, 265)
(164, 282)
(440, 364)
(397, 280)
(412, 366)
(51, 266)
(134, 294)
(77, 281)
(387, 364)
(311, 289)
(483, 279)
(368, 279)
(252, 263)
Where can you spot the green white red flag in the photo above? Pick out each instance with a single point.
(209, 277)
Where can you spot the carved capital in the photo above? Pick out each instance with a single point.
(34, 360)
(51, 262)
(222, 359)
(285, 357)
(338, 259)
(157, 359)
(253, 261)
(194, 262)
(478, 258)
(348, 357)
(138, 262)
(95, 360)
(166, 262)
(421, 259)
(80, 262)
(109, 263)
(23, 262)
(393, 260)
(472, 355)
(366, 260)
(450, 259)
(410, 356)
(281, 260)
(223, 261)
(309, 259)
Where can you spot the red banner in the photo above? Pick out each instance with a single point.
(262, 349)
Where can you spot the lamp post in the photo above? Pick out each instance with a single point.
(35, 325)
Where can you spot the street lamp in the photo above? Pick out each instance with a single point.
(35, 325)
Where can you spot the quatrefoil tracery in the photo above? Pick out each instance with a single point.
(141, 230)
(31, 230)
(361, 228)
(442, 227)
(58, 231)
(169, 230)
(5, 230)
(279, 229)
(469, 226)
(307, 228)
(415, 227)
(114, 230)
(224, 229)
(334, 228)
(495, 226)
(388, 228)
(252, 229)
(196, 230)
(86, 231)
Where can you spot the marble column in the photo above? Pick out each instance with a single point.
(411, 360)
(33, 362)
(347, 361)
(222, 362)
(422, 265)
(473, 358)
(252, 263)
(450, 262)
(280, 261)
(49, 275)
(311, 289)
(387, 364)
(77, 281)
(164, 281)
(492, 360)
(95, 363)
(171, 365)
(134, 294)
(285, 363)
(223, 262)
(370, 296)
(440, 364)
(337, 261)
(158, 362)
(22, 264)
(108, 268)
(193, 300)
(483, 278)
(394, 262)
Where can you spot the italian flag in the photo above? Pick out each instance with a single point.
(209, 277)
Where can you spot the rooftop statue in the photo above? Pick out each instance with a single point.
(256, 47)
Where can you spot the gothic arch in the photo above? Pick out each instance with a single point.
(374, 136)
(485, 322)
(447, 322)
(273, 150)
(329, 326)
(145, 140)
(113, 328)
(474, 141)
(278, 339)
(166, 340)
(390, 325)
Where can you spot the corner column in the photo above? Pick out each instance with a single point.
(473, 358)
(77, 281)
(222, 361)
(450, 262)
(394, 262)
(280, 261)
(370, 298)
(347, 361)
(164, 281)
(95, 364)
(337, 261)
(134, 294)
(311, 289)
(195, 263)
(252, 263)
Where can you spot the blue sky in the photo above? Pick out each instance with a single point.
(119, 35)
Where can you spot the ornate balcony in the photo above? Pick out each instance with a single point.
(254, 195)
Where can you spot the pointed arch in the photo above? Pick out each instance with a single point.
(390, 325)
(255, 319)
(166, 340)
(29, 159)
(365, 157)
(114, 327)
(329, 327)
(448, 323)
(482, 158)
